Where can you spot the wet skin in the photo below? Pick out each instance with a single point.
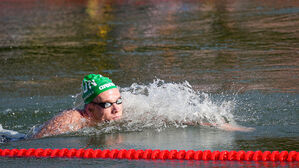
(96, 113)
(91, 115)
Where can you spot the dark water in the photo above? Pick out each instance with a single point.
(246, 52)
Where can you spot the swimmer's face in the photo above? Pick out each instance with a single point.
(114, 112)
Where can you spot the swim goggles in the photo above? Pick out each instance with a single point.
(108, 104)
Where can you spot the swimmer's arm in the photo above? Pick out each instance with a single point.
(59, 124)
(230, 127)
(227, 127)
(51, 127)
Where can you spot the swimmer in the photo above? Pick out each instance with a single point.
(102, 101)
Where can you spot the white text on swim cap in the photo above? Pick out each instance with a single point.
(106, 85)
(88, 84)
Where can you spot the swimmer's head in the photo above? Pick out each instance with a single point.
(93, 85)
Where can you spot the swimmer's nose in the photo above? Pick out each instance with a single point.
(115, 108)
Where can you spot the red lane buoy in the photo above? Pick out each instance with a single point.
(150, 154)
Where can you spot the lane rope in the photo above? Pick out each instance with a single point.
(154, 154)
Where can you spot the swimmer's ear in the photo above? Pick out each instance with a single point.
(89, 107)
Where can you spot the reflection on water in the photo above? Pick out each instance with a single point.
(215, 45)
(278, 144)
(104, 141)
(191, 138)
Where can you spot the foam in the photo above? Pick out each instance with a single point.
(9, 135)
(159, 105)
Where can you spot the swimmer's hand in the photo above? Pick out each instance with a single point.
(226, 127)
(229, 127)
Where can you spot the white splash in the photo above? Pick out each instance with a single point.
(9, 135)
(159, 105)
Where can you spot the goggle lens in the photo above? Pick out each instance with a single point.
(108, 104)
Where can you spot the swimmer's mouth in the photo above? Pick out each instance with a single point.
(116, 118)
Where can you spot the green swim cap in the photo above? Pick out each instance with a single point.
(93, 85)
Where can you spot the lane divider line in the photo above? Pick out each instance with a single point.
(150, 154)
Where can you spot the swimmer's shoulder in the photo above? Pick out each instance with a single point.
(73, 114)
(65, 121)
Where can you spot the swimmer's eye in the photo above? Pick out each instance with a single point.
(108, 104)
